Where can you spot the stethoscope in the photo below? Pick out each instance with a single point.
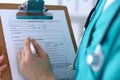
(91, 57)
(95, 59)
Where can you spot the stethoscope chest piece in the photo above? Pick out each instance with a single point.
(95, 60)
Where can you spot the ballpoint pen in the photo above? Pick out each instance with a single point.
(33, 49)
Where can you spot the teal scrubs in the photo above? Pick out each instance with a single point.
(110, 69)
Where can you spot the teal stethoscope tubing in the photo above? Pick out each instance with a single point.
(85, 27)
(104, 35)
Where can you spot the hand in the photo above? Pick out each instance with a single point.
(2, 66)
(34, 67)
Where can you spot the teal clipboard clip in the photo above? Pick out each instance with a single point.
(33, 9)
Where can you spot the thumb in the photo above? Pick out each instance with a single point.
(39, 50)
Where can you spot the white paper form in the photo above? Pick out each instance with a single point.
(52, 35)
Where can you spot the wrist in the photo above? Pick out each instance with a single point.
(49, 76)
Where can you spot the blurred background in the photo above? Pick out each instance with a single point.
(78, 11)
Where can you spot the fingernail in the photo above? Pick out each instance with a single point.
(1, 57)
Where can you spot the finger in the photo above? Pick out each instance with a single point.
(27, 49)
(0, 75)
(3, 67)
(1, 78)
(22, 54)
(40, 51)
(2, 58)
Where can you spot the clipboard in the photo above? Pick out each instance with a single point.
(7, 73)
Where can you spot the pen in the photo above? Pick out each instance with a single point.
(33, 49)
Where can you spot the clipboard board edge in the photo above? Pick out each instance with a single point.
(50, 7)
(3, 51)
